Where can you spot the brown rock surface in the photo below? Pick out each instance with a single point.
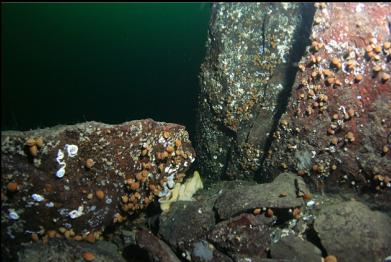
(157, 250)
(241, 236)
(338, 120)
(133, 164)
(283, 193)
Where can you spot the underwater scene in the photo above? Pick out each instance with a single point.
(206, 132)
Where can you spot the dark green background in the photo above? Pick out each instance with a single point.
(68, 63)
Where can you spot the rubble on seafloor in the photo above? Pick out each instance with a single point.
(62, 186)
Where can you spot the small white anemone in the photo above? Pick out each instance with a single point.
(12, 214)
(61, 172)
(76, 213)
(72, 150)
(37, 197)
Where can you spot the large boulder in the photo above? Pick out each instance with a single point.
(337, 128)
(75, 180)
(245, 78)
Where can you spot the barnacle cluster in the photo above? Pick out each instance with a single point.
(158, 172)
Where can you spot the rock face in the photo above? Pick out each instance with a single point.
(337, 128)
(72, 180)
(352, 232)
(244, 78)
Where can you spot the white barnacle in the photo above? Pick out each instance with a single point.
(37, 197)
(61, 172)
(12, 214)
(72, 150)
(50, 204)
(359, 8)
(167, 169)
(161, 140)
(76, 213)
(73, 214)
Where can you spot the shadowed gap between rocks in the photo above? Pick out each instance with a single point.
(312, 236)
(133, 253)
(301, 41)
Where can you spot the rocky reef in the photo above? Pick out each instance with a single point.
(293, 141)
(336, 125)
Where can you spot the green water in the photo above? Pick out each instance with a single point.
(68, 63)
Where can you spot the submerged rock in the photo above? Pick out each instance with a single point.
(157, 250)
(295, 249)
(245, 74)
(204, 251)
(337, 125)
(283, 193)
(63, 250)
(186, 225)
(76, 177)
(352, 232)
(242, 236)
(186, 222)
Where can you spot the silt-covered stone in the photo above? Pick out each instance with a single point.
(352, 232)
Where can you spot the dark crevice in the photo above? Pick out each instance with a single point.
(301, 41)
(313, 237)
(217, 218)
(133, 253)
